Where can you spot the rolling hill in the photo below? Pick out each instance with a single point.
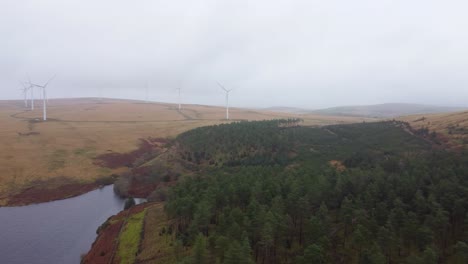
(450, 128)
(385, 110)
(59, 155)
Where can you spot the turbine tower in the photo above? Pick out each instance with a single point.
(31, 88)
(227, 99)
(178, 89)
(32, 96)
(25, 93)
(44, 97)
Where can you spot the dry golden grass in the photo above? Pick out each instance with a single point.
(80, 129)
(454, 126)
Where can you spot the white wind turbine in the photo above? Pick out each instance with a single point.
(31, 88)
(178, 89)
(227, 99)
(44, 97)
(25, 93)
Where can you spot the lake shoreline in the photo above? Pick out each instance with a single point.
(104, 247)
(37, 195)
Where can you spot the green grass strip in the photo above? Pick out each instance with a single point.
(130, 238)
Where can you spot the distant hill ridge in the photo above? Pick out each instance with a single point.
(386, 110)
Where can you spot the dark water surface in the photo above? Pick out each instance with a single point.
(55, 232)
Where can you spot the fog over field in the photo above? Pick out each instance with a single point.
(309, 54)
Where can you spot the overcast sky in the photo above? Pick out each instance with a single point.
(311, 53)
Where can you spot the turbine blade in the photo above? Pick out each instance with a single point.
(222, 87)
(53, 77)
(24, 85)
(30, 83)
(36, 85)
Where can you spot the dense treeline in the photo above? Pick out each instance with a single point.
(396, 202)
(278, 142)
(242, 143)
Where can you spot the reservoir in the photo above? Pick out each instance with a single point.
(55, 232)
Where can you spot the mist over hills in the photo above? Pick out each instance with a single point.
(386, 110)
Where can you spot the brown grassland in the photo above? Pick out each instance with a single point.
(36, 155)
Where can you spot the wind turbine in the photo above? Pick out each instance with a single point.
(25, 93)
(31, 88)
(227, 99)
(179, 97)
(44, 97)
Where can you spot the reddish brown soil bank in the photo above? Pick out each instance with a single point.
(116, 160)
(141, 189)
(40, 194)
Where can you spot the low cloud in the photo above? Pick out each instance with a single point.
(292, 53)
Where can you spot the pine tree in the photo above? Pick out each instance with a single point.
(430, 256)
(199, 252)
(461, 253)
(312, 254)
(177, 249)
(238, 253)
(373, 256)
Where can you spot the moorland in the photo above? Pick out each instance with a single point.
(43, 161)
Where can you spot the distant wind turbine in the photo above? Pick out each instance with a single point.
(31, 88)
(25, 93)
(44, 97)
(178, 89)
(227, 99)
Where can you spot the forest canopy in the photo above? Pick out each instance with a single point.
(272, 192)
